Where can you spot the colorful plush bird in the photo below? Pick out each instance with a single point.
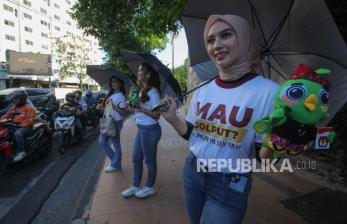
(300, 103)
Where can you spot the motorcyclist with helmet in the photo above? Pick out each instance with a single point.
(72, 104)
(83, 108)
(25, 121)
(88, 99)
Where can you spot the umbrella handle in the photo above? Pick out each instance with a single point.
(179, 98)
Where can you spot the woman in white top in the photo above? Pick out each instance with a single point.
(116, 98)
(219, 124)
(148, 133)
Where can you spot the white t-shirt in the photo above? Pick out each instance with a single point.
(118, 99)
(154, 99)
(223, 118)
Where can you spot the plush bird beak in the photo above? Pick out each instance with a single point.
(311, 102)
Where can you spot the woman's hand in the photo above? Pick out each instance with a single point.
(169, 111)
(129, 108)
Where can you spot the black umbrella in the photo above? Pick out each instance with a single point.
(102, 74)
(169, 84)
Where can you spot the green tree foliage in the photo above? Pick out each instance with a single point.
(180, 74)
(139, 25)
(72, 55)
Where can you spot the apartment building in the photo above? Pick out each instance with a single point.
(33, 26)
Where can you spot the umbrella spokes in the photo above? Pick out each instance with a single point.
(278, 29)
(271, 66)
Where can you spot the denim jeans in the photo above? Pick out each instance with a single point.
(145, 147)
(20, 136)
(208, 198)
(114, 156)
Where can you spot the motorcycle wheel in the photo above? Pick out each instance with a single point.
(3, 164)
(46, 146)
(61, 145)
(95, 122)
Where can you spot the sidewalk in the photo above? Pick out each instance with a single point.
(167, 206)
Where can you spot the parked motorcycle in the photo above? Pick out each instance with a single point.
(39, 144)
(66, 126)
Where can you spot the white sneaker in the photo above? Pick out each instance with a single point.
(19, 156)
(145, 192)
(109, 168)
(130, 191)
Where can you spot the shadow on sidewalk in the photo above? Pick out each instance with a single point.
(167, 206)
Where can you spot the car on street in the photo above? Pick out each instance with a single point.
(38, 96)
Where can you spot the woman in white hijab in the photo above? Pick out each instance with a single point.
(219, 124)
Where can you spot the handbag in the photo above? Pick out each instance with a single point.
(107, 125)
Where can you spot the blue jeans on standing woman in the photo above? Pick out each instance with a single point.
(209, 198)
(145, 147)
(114, 156)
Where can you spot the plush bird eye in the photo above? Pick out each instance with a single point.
(296, 92)
(324, 97)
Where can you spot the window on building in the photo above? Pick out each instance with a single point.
(44, 35)
(56, 6)
(68, 33)
(44, 23)
(68, 2)
(8, 22)
(27, 16)
(57, 28)
(28, 42)
(26, 2)
(56, 17)
(16, 12)
(44, 11)
(44, 47)
(8, 8)
(9, 37)
(28, 29)
(68, 22)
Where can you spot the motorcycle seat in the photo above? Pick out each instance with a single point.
(37, 125)
(33, 137)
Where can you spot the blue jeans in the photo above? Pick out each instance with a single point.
(208, 198)
(20, 135)
(145, 147)
(114, 156)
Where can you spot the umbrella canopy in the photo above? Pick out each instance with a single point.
(102, 74)
(290, 32)
(169, 84)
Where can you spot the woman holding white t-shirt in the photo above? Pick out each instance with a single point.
(219, 123)
(148, 133)
(116, 98)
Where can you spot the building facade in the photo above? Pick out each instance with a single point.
(34, 26)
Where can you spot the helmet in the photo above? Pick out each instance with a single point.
(19, 94)
(78, 91)
(89, 94)
(70, 97)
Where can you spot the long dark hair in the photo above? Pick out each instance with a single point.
(152, 81)
(112, 91)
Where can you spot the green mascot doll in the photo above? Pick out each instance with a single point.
(300, 103)
(133, 97)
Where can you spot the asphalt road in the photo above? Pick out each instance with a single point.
(55, 189)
